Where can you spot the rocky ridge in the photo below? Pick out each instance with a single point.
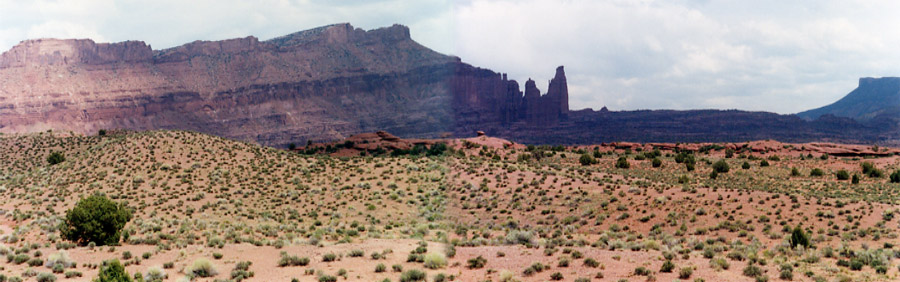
(335, 81)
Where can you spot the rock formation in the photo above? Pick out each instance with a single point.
(873, 98)
(331, 82)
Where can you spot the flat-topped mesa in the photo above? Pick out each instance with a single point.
(74, 51)
(341, 33)
(872, 98)
(208, 48)
(883, 81)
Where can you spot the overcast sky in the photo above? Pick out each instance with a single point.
(767, 55)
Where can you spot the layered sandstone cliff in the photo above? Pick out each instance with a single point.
(334, 81)
(319, 84)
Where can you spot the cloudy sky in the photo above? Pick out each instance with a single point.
(769, 55)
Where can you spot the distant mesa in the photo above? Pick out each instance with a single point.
(873, 98)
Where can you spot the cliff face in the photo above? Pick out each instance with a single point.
(334, 81)
(319, 84)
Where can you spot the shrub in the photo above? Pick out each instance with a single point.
(217, 255)
(60, 258)
(327, 278)
(795, 171)
(718, 263)
(786, 274)
(46, 277)
(685, 272)
(556, 276)
(869, 170)
(435, 261)
(95, 219)
(622, 162)
(397, 268)
(895, 176)
(412, 275)
(380, 268)
(357, 253)
(856, 264)
(854, 179)
(667, 266)
(752, 271)
(112, 271)
(842, 175)
(763, 163)
(642, 271)
(329, 257)
(656, 162)
(720, 166)
(157, 274)
(477, 262)
(287, 260)
(201, 268)
(745, 165)
(816, 172)
(55, 158)
(799, 237)
(587, 159)
(589, 262)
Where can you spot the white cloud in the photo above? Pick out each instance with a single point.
(781, 56)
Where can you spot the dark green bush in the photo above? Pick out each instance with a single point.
(55, 158)
(412, 275)
(816, 172)
(721, 166)
(895, 176)
(799, 237)
(842, 175)
(477, 262)
(667, 266)
(95, 219)
(587, 159)
(622, 162)
(113, 271)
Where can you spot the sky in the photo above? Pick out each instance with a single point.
(762, 55)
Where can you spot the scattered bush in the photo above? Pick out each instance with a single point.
(667, 266)
(752, 271)
(870, 170)
(55, 158)
(412, 275)
(799, 238)
(95, 219)
(477, 262)
(201, 268)
(435, 261)
(720, 166)
(816, 172)
(895, 176)
(622, 162)
(157, 274)
(112, 271)
(587, 159)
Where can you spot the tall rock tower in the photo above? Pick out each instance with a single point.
(559, 92)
